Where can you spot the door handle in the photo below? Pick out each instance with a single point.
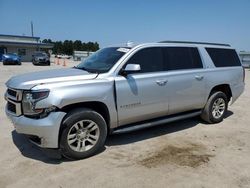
(199, 77)
(161, 82)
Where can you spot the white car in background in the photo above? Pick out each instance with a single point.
(63, 56)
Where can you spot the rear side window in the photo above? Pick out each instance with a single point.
(224, 57)
(177, 58)
(150, 60)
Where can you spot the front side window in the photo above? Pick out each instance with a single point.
(150, 60)
(102, 60)
(178, 58)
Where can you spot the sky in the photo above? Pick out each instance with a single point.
(111, 22)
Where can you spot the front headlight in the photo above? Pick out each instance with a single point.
(30, 98)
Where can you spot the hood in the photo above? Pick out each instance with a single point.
(29, 80)
(10, 56)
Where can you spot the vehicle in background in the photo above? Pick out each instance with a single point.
(11, 59)
(40, 58)
(62, 56)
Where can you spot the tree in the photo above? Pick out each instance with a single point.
(68, 46)
(47, 41)
(77, 45)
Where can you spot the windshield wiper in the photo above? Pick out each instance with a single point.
(81, 68)
(85, 69)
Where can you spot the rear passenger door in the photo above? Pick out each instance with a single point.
(186, 81)
(142, 96)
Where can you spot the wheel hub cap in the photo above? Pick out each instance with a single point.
(83, 135)
(218, 108)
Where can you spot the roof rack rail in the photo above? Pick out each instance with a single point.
(190, 42)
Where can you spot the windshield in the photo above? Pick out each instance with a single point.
(40, 54)
(11, 54)
(102, 60)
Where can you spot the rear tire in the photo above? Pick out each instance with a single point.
(84, 132)
(215, 108)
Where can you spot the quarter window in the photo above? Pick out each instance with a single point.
(224, 57)
(177, 58)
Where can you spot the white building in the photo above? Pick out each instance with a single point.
(245, 58)
(81, 55)
(24, 46)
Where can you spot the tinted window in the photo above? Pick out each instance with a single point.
(224, 57)
(177, 58)
(150, 60)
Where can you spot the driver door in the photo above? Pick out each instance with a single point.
(142, 96)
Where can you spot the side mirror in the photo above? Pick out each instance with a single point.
(131, 68)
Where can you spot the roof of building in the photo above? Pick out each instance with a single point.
(17, 40)
(39, 44)
(19, 36)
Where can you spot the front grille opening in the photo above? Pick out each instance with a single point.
(12, 92)
(11, 107)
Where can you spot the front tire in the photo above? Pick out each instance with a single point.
(215, 108)
(84, 132)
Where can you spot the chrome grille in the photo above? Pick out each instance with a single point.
(14, 98)
(11, 107)
(41, 59)
(12, 92)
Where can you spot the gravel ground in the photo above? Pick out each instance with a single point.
(187, 153)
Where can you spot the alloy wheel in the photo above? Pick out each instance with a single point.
(83, 135)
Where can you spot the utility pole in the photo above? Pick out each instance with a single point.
(32, 33)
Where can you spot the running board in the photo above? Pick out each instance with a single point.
(135, 127)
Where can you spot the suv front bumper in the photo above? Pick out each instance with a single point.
(46, 129)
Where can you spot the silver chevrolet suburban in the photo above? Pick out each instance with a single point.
(124, 88)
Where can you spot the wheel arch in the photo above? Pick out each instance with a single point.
(225, 88)
(97, 106)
